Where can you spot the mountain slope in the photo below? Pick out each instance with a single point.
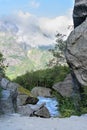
(21, 56)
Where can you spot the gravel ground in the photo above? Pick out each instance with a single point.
(17, 122)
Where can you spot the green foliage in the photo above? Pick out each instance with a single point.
(83, 102)
(44, 78)
(2, 66)
(66, 106)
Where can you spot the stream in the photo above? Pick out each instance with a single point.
(51, 104)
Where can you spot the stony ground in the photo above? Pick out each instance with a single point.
(17, 122)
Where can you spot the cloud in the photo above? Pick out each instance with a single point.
(37, 31)
(34, 4)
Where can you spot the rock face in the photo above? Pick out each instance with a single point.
(76, 53)
(64, 88)
(41, 91)
(8, 101)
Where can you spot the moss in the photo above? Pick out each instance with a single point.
(22, 90)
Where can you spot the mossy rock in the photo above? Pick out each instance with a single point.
(24, 91)
(25, 97)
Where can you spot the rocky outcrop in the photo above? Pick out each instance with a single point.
(6, 104)
(8, 101)
(41, 91)
(64, 88)
(76, 53)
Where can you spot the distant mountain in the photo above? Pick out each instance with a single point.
(20, 55)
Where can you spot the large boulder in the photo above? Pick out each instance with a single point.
(42, 112)
(76, 53)
(21, 99)
(64, 88)
(41, 91)
(34, 110)
(25, 110)
(8, 101)
(6, 104)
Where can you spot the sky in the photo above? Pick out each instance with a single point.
(38, 20)
(46, 8)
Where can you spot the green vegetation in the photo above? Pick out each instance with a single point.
(83, 102)
(44, 78)
(2, 66)
(66, 106)
(2, 69)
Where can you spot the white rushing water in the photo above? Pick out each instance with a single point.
(51, 104)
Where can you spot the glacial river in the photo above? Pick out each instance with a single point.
(51, 104)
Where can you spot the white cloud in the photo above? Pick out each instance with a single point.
(40, 30)
(34, 4)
